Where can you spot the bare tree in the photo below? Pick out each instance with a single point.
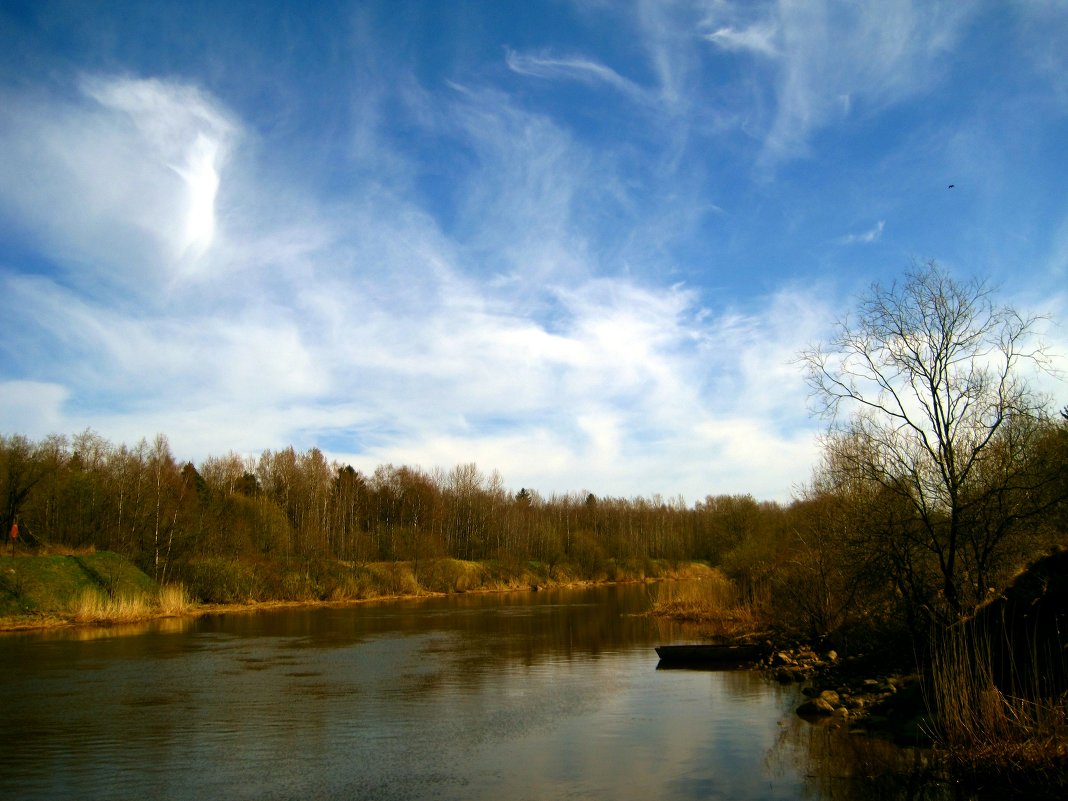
(927, 383)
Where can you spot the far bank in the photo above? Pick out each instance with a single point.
(101, 587)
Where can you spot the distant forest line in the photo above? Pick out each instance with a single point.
(85, 491)
(814, 564)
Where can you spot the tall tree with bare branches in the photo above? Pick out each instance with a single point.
(927, 386)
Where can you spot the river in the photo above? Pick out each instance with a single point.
(548, 695)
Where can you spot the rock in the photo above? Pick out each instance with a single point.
(784, 676)
(817, 707)
(781, 658)
(831, 697)
(831, 656)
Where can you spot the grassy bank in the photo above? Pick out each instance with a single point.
(103, 587)
(81, 587)
(228, 580)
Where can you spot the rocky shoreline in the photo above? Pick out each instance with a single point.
(851, 692)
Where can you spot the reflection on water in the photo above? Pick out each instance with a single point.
(525, 696)
(839, 765)
(167, 625)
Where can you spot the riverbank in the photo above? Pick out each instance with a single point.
(44, 621)
(101, 588)
(986, 701)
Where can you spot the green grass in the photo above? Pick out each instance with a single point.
(55, 585)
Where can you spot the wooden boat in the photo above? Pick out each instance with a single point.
(708, 653)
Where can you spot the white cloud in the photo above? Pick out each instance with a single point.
(835, 58)
(865, 237)
(758, 38)
(361, 320)
(576, 68)
(122, 181)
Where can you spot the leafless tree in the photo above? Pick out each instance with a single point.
(928, 384)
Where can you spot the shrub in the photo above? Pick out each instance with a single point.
(394, 578)
(450, 575)
(299, 585)
(223, 581)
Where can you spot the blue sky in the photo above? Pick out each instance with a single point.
(579, 242)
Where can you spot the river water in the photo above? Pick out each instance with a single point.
(548, 695)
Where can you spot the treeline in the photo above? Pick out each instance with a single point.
(140, 501)
(845, 555)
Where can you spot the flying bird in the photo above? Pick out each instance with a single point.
(950, 186)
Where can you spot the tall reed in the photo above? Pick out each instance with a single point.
(174, 599)
(983, 726)
(93, 606)
(712, 603)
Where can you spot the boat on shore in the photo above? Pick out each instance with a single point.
(710, 654)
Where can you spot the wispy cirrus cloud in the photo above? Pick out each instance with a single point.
(360, 322)
(574, 68)
(666, 57)
(759, 38)
(833, 59)
(864, 237)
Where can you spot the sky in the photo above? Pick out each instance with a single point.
(580, 242)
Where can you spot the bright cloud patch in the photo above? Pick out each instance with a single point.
(127, 177)
(865, 237)
(182, 130)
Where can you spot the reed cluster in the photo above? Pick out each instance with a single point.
(174, 599)
(712, 604)
(984, 727)
(94, 606)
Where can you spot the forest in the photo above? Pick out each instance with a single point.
(297, 508)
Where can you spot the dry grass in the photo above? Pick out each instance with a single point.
(93, 606)
(174, 600)
(983, 729)
(712, 604)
